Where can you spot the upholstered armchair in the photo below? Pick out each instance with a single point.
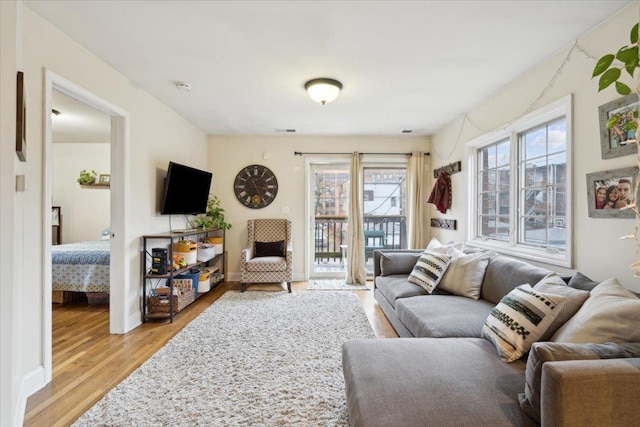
(268, 255)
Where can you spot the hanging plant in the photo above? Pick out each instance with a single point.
(610, 74)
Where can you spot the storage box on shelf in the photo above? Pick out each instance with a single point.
(186, 262)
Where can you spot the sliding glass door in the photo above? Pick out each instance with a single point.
(329, 206)
(384, 210)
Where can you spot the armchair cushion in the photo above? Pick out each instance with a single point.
(267, 263)
(264, 249)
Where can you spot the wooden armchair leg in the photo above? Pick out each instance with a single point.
(289, 286)
(243, 287)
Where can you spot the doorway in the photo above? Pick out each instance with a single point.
(384, 212)
(118, 269)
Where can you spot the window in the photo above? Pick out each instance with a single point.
(520, 185)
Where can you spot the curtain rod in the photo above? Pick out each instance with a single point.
(300, 153)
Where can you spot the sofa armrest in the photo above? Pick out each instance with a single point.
(377, 254)
(590, 392)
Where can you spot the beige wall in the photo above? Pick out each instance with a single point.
(85, 210)
(157, 135)
(228, 155)
(598, 251)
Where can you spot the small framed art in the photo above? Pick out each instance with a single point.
(21, 119)
(619, 140)
(610, 191)
(104, 179)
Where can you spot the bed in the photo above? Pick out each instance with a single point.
(81, 267)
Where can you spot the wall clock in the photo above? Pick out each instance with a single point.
(255, 186)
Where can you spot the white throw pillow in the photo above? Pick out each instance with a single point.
(610, 314)
(553, 284)
(520, 319)
(429, 270)
(435, 244)
(465, 273)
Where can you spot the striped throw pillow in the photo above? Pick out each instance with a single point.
(520, 319)
(429, 270)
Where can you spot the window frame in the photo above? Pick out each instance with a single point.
(512, 132)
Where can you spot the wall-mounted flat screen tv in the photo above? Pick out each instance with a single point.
(186, 190)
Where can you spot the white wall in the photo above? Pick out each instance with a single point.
(157, 135)
(598, 251)
(229, 154)
(85, 210)
(11, 206)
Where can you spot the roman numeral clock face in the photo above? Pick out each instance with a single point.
(255, 186)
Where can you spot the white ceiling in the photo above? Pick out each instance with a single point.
(404, 64)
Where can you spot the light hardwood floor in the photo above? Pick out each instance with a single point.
(88, 361)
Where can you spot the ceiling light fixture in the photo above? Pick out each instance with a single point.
(323, 90)
(185, 87)
(54, 113)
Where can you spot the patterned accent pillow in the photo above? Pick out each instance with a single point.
(429, 270)
(520, 319)
(269, 249)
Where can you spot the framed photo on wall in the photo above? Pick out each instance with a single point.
(609, 191)
(615, 142)
(21, 118)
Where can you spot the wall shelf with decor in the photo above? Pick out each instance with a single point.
(178, 268)
(96, 185)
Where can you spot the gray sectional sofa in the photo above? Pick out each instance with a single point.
(443, 372)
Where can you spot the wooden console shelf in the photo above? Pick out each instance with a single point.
(166, 240)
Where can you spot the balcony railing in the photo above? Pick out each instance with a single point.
(331, 234)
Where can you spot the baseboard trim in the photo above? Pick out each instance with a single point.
(29, 384)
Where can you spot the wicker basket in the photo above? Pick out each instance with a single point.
(206, 251)
(160, 304)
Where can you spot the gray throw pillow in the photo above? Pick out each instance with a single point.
(542, 352)
(580, 281)
(610, 314)
(553, 284)
(397, 262)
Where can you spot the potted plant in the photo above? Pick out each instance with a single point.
(214, 216)
(87, 178)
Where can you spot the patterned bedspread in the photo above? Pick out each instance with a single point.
(81, 267)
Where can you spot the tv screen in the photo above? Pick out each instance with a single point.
(186, 190)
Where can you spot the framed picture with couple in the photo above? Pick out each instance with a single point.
(610, 191)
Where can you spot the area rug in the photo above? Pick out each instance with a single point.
(333, 285)
(251, 359)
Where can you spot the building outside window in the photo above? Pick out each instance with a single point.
(521, 187)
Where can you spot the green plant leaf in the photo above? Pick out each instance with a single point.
(610, 76)
(635, 114)
(628, 55)
(622, 89)
(629, 125)
(612, 121)
(634, 34)
(603, 64)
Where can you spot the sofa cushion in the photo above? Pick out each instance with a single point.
(429, 270)
(413, 382)
(503, 274)
(610, 314)
(542, 352)
(397, 262)
(553, 284)
(397, 286)
(443, 316)
(465, 273)
(267, 263)
(580, 281)
(519, 320)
